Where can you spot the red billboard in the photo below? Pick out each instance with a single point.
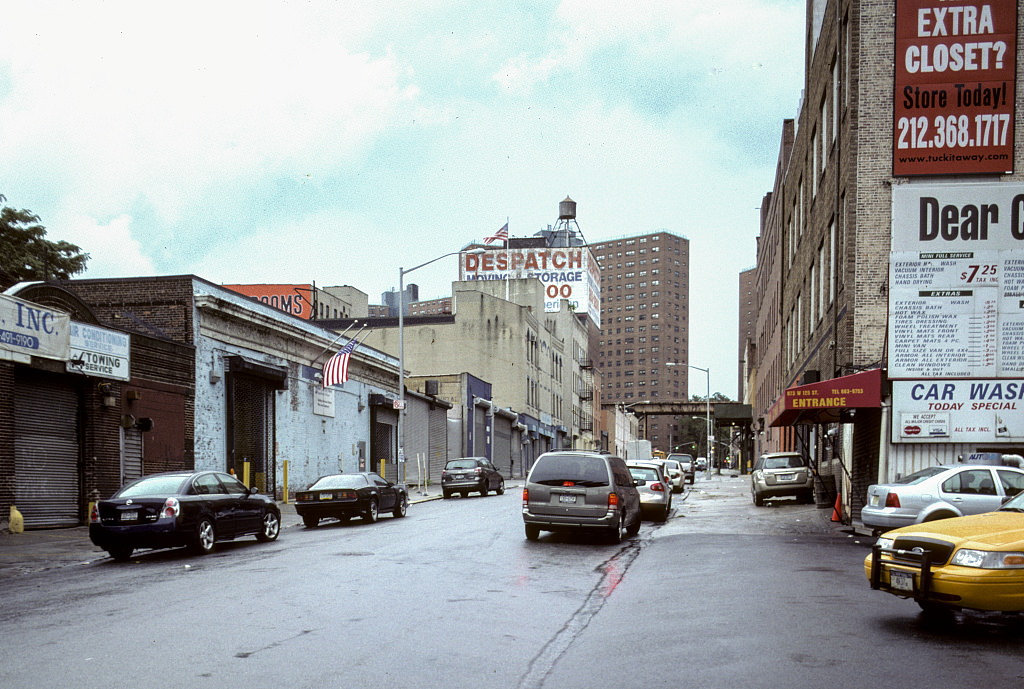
(293, 299)
(955, 74)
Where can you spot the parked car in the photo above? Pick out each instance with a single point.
(343, 496)
(974, 562)
(184, 508)
(569, 490)
(939, 492)
(686, 462)
(702, 464)
(470, 474)
(655, 493)
(676, 475)
(779, 475)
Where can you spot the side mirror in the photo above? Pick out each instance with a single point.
(253, 490)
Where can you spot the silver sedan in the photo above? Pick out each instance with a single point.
(939, 492)
(654, 488)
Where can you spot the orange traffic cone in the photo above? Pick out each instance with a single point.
(837, 512)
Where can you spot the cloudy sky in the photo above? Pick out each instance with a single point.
(332, 142)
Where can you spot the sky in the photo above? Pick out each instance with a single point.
(335, 142)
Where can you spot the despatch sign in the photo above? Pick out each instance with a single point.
(955, 75)
(569, 273)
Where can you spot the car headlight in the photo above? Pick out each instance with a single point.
(884, 542)
(986, 559)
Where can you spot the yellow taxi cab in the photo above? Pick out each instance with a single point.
(974, 562)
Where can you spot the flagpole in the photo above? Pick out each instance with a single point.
(508, 258)
(335, 341)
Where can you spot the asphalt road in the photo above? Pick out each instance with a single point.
(722, 595)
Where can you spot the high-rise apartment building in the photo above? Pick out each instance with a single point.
(644, 342)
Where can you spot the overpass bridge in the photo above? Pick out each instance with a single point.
(721, 414)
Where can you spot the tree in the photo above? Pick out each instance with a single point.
(26, 254)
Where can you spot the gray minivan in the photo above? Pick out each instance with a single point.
(570, 489)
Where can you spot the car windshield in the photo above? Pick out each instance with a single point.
(339, 481)
(918, 476)
(1014, 504)
(461, 464)
(154, 485)
(785, 462)
(554, 470)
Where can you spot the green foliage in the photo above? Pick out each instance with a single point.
(26, 254)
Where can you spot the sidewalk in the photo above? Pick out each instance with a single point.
(38, 550)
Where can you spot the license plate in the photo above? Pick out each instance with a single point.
(786, 477)
(571, 499)
(129, 516)
(874, 501)
(901, 581)
(326, 496)
(459, 477)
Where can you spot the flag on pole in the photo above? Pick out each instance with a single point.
(336, 368)
(499, 236)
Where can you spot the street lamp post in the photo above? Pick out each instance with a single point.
(402, 272)
(707, 414)
(707, 418)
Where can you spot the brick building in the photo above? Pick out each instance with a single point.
(827, 230)
(644, 343)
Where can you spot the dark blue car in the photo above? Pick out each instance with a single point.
(194, 509)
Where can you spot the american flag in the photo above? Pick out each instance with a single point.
(499, 236)
(336, 368)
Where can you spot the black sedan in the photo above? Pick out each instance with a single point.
(186, 508)
(344, 496)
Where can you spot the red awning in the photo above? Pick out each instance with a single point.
(828, 401)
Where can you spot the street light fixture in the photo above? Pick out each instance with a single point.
(402, 272)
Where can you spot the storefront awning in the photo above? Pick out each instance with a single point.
(830, 401)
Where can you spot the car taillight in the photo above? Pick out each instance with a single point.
(94, 515)
(892, 500)
(613, 499)
(526, 496)
(478, 470)
(172, 508)
(657, 486)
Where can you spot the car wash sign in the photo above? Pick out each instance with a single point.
(958, 411)
(955, 75)
(99, 352)
(28, 329)
(569, 273)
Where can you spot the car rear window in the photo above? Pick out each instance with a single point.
(154, 485)
(554, 470)
(642, 474)
(461, 464)
(919, 476)
(788, 462)
(340, 481)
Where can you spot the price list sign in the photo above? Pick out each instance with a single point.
(954, 103)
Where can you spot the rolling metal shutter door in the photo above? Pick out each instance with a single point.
(502, 444)
(479, 432)
(438, 443)
(46, 453)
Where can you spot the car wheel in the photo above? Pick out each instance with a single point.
(371, 511)
(483, 489)
(501, 487)
(758, 500)
(532, 532)
(271, 527)
(615, 531)
(204, 537)
(445, 494)
(310, 521)
(634, 528)
(663, 517)
(464, 493)
(402, 507)
(935, 516)
(120, 554)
